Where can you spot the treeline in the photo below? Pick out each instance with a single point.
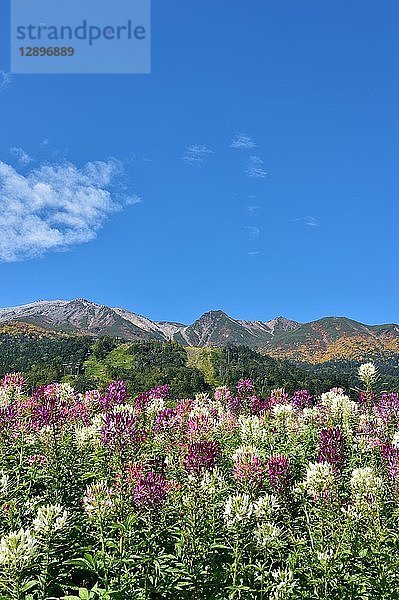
(43, 359)
(88, 363)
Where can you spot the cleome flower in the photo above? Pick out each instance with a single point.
(339, 405)
(265, 507)
(98, 501)
(50, 519)
(213, 482)
(365, 491)
(331, 446)
(252, 430)
(320, 481)
(248, 468)
(238, 510)
(17, 550)
(367, 373)
(278, 469)
(267, 534)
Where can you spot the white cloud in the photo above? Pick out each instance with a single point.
(255, 167)
(253, 253)
(308, 220)
(54, 207)
(44, 142)
(252, 209)
(5, 79)
(254, 232)
(196, 154)
(242, 141)
(21, 155)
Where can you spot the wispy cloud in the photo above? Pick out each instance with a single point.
(5, 79)
(197, 154)
(255, 167)
(252, 210)
(55, 207)
(44, 142)
(254, 253)
(242, 141)
(253, 231)
(19, 153)
(308, 220)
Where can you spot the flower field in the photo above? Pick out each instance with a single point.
(220, 496)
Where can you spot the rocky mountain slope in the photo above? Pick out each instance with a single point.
(323, 340)
(335, 338)
(81, 316)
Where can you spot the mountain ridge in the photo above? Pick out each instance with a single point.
(316, 341)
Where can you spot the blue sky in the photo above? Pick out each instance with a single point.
(255, 170)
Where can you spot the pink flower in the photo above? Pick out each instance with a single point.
(150, 491)
(331, 446)
(248, 469)
(278, 469)
(201, 456)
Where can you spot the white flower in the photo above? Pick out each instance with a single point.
(285, 583)
(367, 373)
(339, 405)
(245, 451)
(252, 430)
(85, 436)
(365, 485)
(4, 397)
(267, 534)
(395, 439)
(283, 411)
(266, 506)
(45, 434)
(4, 482)
(238, 510)
(129, 408)
(325, 557)
(155, 406)
(66, 392)
(213, 482)
(98, 500)
(50, 519)
(320, 480)
(202, 398)
(17, 549)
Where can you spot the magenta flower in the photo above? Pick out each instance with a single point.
(120, 431)
(166, 419)
(158, 393)
(150, 491)
(235, 405)
(8, 420)
(198, 425)
(248, 469)
(278, 396)
(391, 456)
(259, 406)
(245, 386)
(13, 381)
(331, 446)
(201, 456)
(302, 399)
(116, 394)
(222, 393)
(387, 408)
(278, 469)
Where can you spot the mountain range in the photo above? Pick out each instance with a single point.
(326, 339)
